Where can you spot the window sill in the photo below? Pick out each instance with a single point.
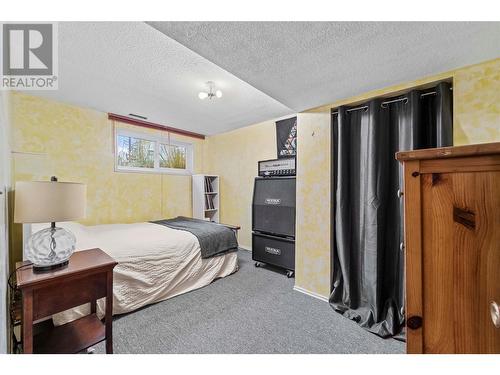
(182, 172)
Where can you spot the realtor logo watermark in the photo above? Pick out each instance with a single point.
(29, 56)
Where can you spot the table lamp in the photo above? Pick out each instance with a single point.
(49, 201)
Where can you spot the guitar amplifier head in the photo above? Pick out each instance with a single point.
(277, 167)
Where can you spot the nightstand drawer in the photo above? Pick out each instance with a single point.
(48, 301)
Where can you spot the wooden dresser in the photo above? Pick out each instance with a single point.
(452, 245)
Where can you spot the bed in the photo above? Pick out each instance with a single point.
(155, 263)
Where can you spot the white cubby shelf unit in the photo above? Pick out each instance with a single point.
(206, 197)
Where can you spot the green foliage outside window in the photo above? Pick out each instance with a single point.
(172, 156)
(135, 152)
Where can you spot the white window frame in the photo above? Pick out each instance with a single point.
(156, 139)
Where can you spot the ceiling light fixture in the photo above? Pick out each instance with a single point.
(211, 93)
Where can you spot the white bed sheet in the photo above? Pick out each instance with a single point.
(154, 263)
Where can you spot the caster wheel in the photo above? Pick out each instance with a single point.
(290, 274)
(257, 264)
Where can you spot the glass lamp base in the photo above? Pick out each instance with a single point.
(50, 248)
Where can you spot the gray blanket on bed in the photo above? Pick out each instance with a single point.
(215, 239)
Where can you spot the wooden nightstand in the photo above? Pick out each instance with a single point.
(88, 277)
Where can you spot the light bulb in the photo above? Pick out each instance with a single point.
(218, 94)
(203, 95)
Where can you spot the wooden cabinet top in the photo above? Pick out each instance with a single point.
(450, 152)
(81, 262)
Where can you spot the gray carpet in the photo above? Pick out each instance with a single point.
(254, 310)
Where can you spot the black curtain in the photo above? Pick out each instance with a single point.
(367, 214)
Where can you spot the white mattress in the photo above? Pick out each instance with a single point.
(154, 263)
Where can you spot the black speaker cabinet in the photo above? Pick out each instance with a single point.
(273, 208)
(273, 250)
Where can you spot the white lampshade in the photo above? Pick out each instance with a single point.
(49, 201)
(203, 95)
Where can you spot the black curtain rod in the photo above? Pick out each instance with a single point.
(385, 103)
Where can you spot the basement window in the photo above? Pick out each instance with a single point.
(142, 152)
(172, 156)
(135, 152)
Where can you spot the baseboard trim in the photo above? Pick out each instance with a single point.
(309, 293)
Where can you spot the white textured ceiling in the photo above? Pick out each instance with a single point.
(133, 68)
(308, 64)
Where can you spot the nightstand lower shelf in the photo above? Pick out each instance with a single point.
(70, 338)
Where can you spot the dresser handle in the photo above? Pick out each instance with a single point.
(414, 322)
(495, 314)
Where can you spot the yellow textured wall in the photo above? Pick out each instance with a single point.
(312, 258)
(76, 144)
(476, 92)
(233, 156)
